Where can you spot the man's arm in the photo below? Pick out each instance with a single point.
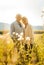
(12, 29)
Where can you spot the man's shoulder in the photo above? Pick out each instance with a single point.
(13, 23)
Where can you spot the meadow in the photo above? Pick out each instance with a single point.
(10, 56)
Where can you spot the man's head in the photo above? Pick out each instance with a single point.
(18, 17)
(25, 20)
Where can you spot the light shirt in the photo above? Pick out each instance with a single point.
(16, 27)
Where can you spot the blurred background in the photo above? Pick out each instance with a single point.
(32, 9)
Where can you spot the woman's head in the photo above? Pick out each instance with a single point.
(25, 20)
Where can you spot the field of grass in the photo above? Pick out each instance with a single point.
(9, 54)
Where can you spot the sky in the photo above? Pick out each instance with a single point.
(32, 9)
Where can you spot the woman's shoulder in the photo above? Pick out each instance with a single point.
(29, 25)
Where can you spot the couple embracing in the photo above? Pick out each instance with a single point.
(21, 25)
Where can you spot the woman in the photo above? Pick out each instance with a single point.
(27, 29)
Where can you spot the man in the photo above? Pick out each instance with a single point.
(27, 29)
(16, 25)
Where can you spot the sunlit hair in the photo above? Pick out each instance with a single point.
(18, 15)
(24, 20)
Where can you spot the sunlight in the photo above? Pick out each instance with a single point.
(31, 9)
